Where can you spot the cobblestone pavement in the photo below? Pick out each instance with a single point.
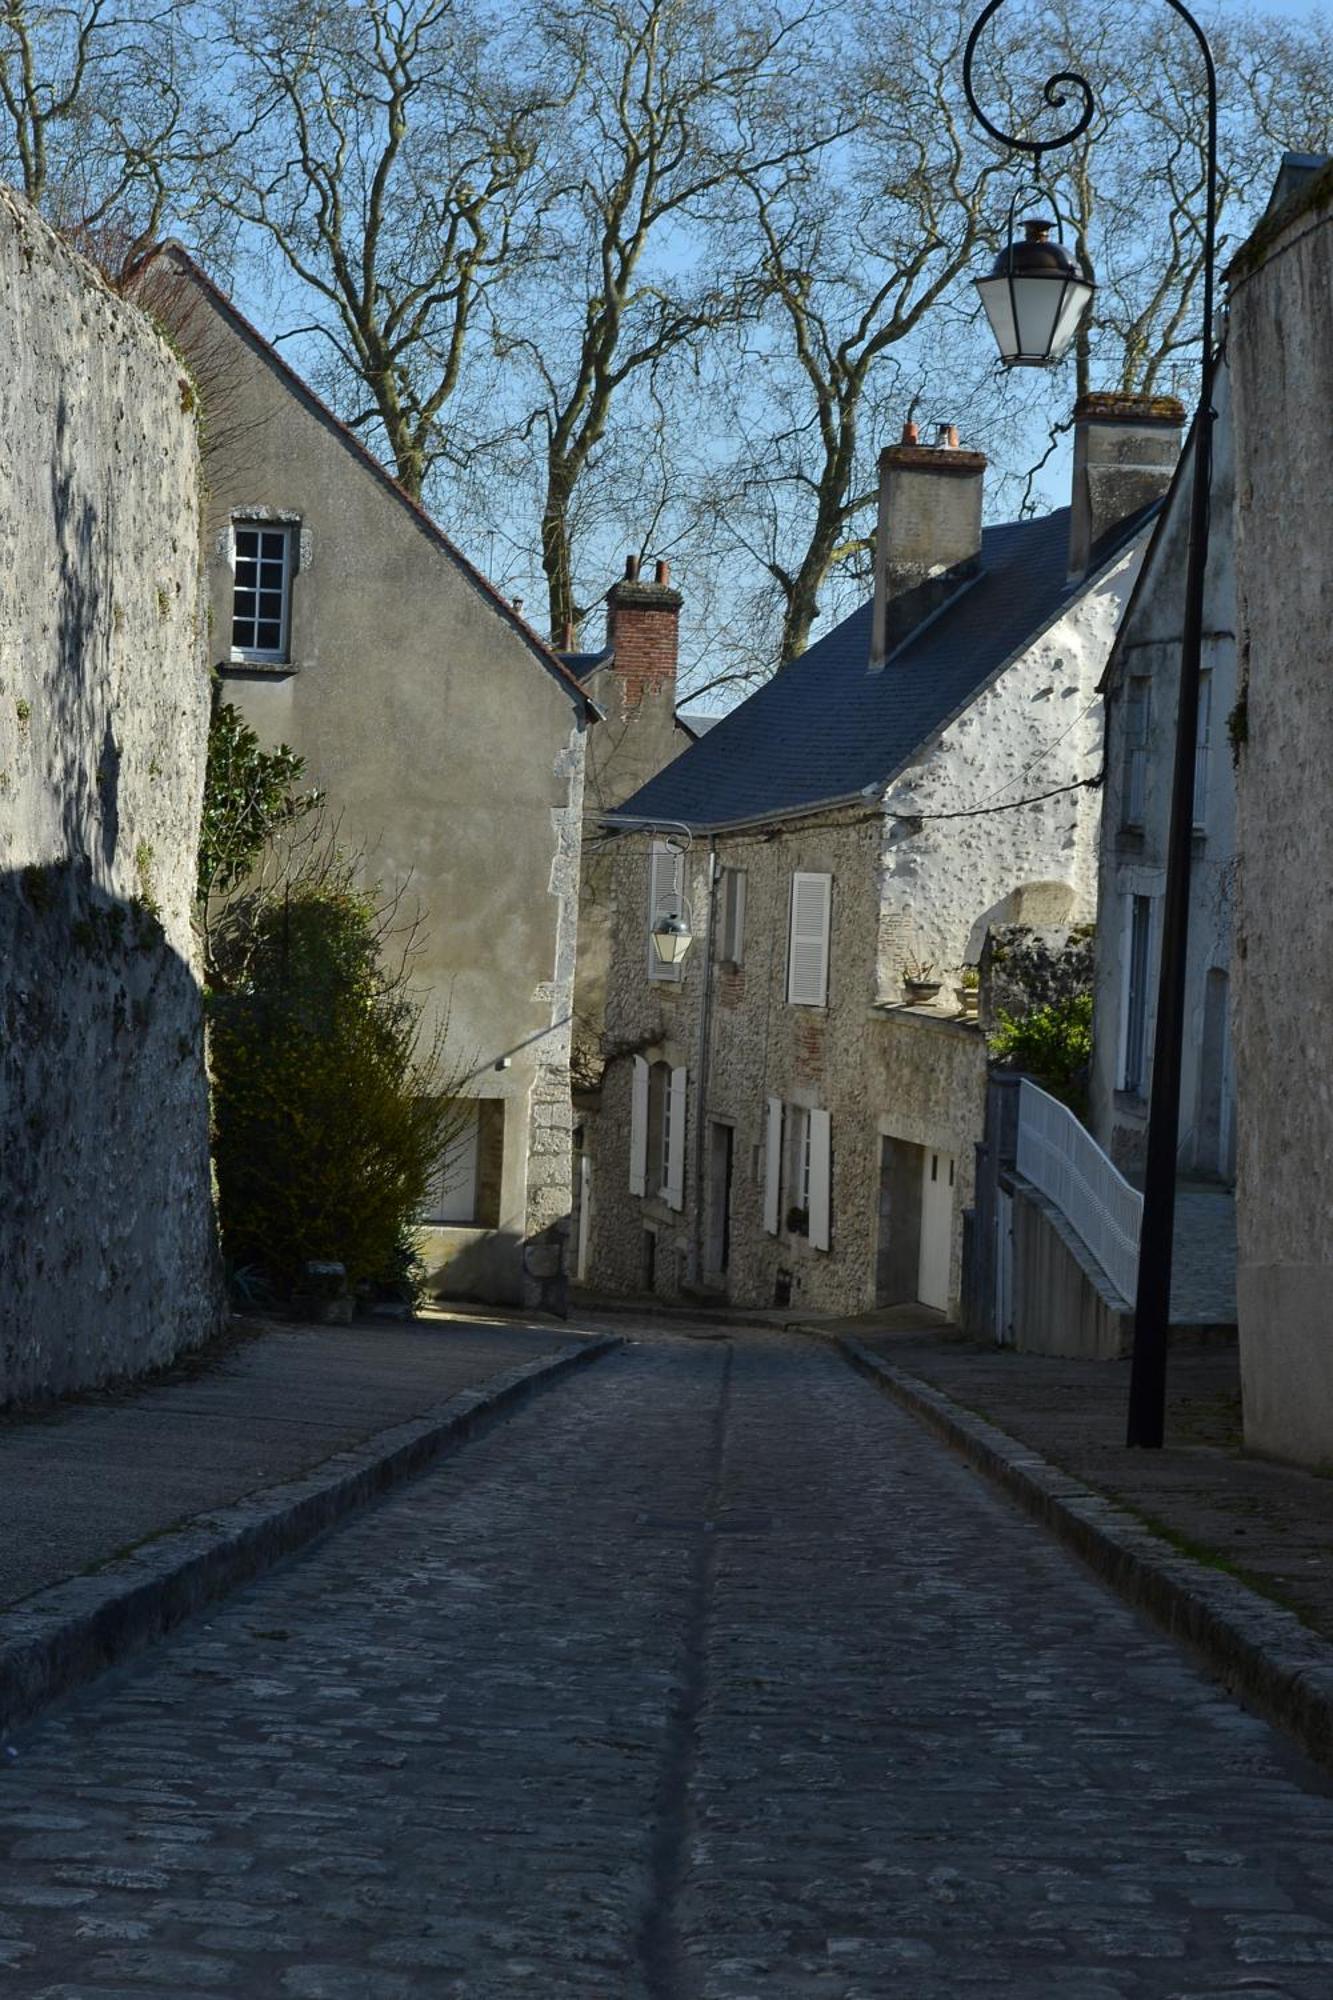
(1203, 1267)
(709, 1676)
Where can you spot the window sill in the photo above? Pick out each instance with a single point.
(257, 670)
(1130, 1100)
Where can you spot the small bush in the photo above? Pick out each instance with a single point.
(1052, 1045)
(328, 1118)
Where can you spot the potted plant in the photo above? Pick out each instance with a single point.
(798, 1221)
(919, 982)
(968, 991)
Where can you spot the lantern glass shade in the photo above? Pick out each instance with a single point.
(1034, 299)
(671, 939)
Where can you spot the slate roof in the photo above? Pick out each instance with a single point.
(826, 727)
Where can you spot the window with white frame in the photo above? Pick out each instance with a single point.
(1138, 693)
(798, 1169)
(732, 941)
(666, 898)
(263, 557)
(1202, 737)
(808, 944)
(657, 1132)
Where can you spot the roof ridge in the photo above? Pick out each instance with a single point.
(545, 653)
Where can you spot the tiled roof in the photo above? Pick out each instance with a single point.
(825, 727)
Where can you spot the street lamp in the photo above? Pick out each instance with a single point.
(1035, 295)
(672, 938)
(1152, 1304)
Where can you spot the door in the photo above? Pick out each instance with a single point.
(932, 1287)
(583, 1183)
(721, 1152)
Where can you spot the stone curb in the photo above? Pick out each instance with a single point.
(65, 1635)
(1257, 1649)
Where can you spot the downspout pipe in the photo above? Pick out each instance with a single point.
(694, 1253)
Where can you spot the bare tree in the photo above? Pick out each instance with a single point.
(674, 101)
(392, 158)
(93, 101)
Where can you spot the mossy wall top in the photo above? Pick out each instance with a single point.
(107, 1259)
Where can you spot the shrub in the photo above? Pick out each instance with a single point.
(329, 1119)
(1052, 1045)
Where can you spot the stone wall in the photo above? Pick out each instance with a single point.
(107, 1253)
(1282, 373)
(914, 1075)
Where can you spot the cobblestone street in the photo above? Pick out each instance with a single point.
(709, 1676)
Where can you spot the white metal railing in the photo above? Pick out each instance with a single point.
(1061, 1157)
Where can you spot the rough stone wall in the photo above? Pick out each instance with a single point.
(1037, 728)
(1133, 857)
(107, 1255)
(918, 1076)
(1282, 374)
(1027, 966)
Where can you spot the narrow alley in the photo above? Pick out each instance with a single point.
(708, 1677)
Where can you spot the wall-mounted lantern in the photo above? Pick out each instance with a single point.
(672, 938)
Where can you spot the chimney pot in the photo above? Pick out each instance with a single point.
(662, 574)
(567, 637)
(911, 434)
(631, 569)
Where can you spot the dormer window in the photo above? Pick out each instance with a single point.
(262, 595)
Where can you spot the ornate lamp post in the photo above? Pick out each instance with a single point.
(1152, 1305)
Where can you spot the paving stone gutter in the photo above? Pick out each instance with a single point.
(1259, 1650)
(60, 1637)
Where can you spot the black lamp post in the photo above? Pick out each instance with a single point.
(1152, 1305)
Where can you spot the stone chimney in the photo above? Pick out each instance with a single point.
(1125, 451)
(642, 625)
(929, 538)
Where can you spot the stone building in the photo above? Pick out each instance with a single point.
(632, 682)
(108, 1255)
(450, 742)
(1142, 692)
(783, 1121)
(1281, 347)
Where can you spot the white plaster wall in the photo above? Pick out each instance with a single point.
(107, 1256)
(1282, 368)
(1133, 863)
(1037, 727)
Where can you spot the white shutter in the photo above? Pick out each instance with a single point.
(807, 956)
(773, 1167)
(638, 1128)
(820, 1164)
(665, 887)
(675, 1165)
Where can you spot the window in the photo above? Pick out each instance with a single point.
(666, 897)
(1138, 692)
(657, 1132)
(798, 1170)
(1136, 994)
(807, 953)
(1201, 741)
(464, 1190)
(261, 602)
(733, 916)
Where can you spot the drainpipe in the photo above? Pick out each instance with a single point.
(694, 1263)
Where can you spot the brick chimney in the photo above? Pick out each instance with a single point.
(929, 538)
(642, 625)
(1125, 451)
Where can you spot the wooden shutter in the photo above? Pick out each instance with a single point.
(675, 1165)
(773, 1167)
(820, 1179)
(665, 883)
(638, 1128)
(807, 956)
